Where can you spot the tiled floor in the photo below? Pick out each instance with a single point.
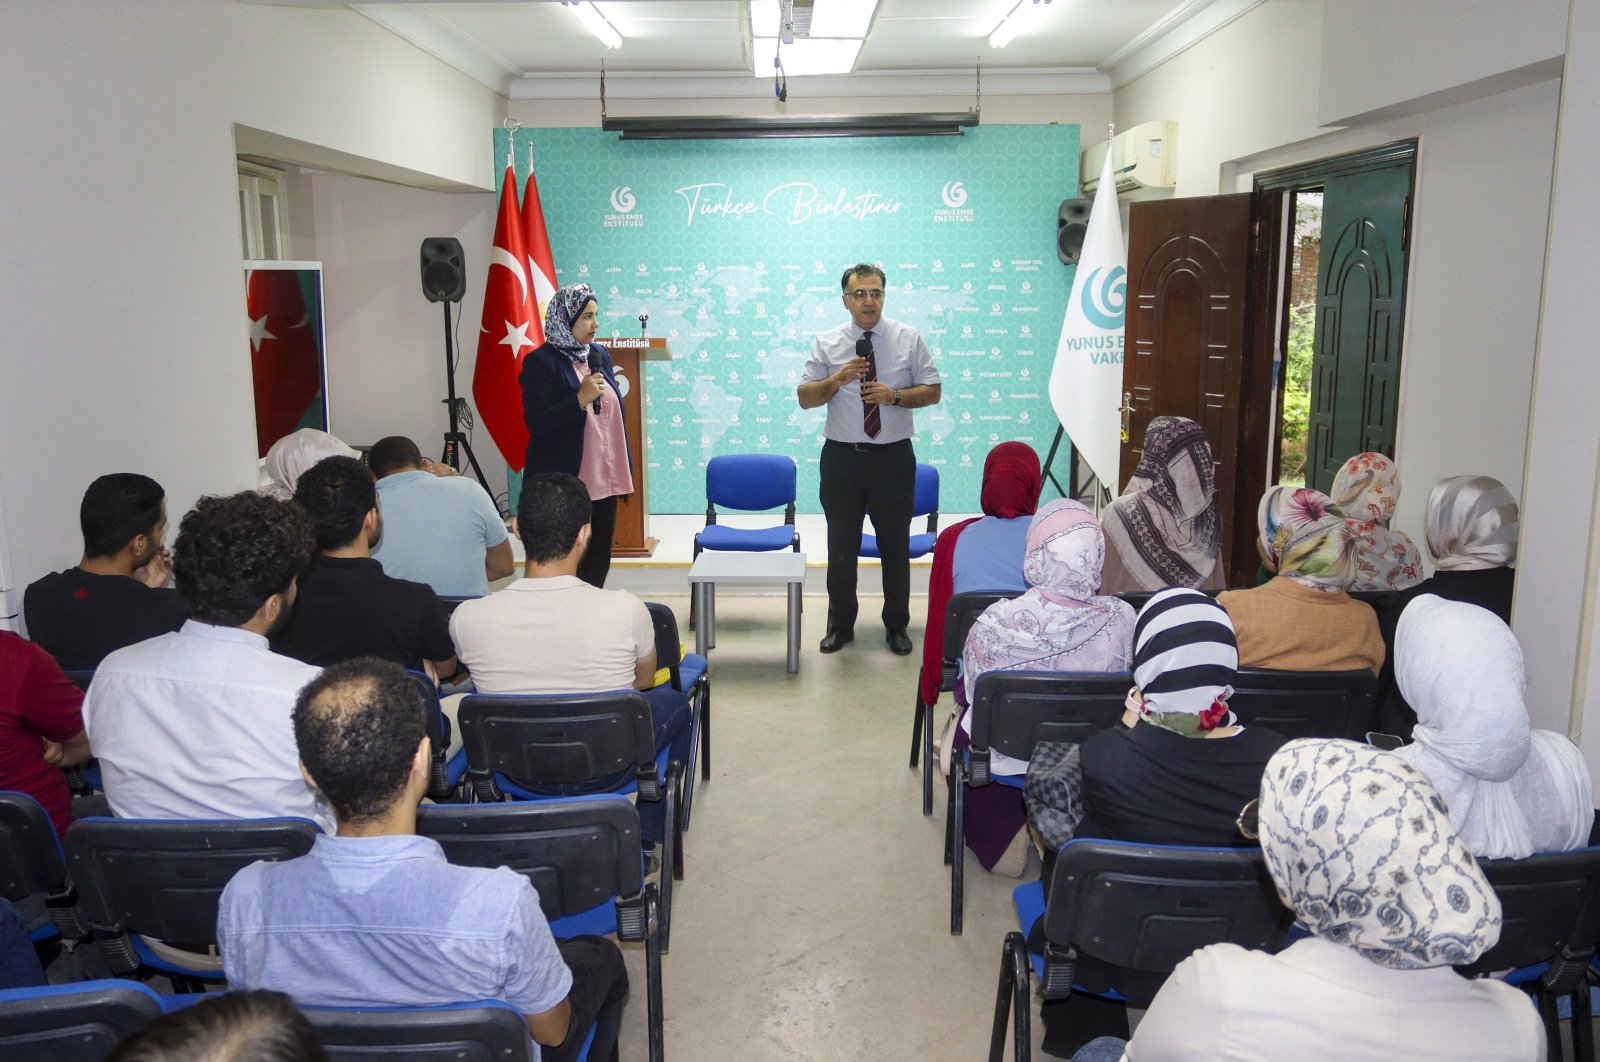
(813, 920)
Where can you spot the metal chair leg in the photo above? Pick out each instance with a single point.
(1582, 1023)
(705, 731)
(958, 854)
(652, 977)
(927, 759)
(1014, 998)
(949, 815)
(916, 729)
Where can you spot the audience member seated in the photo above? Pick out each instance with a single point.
(41, 727)
(1511, 790)
(1058, 625)
(1302, 619)
(231, 1027)
(1360, 848)
(375, 916)
(291, 455)
(117, 594)
(1367, 489)
(551, 632)
(439, 528)
(1165, 529)
(345, 605)
(984, 553)
(196, 724)
(19, 963)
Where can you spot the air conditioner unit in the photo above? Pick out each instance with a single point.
(1143, 159)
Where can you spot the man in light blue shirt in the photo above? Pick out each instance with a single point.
(438, 527)
(375, 916)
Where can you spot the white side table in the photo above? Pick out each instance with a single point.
(745, 569)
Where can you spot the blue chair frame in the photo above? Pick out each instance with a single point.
(689, 674)
(925, 502)
(72, 1023)
(33, 864)
(445, 771)
(750, 483)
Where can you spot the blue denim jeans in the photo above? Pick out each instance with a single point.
(19, 964)
(1104, 1049)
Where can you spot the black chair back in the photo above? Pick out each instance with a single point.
(1550, 910)
(1013, 711)
(439, 736)
(1297, 704)
(1140, 598)
(72, 1023)
(450, 604)
(31, 863)
(474, 1032)
(164, 879)
(669, 648)
(81, 676)
(561, 738)
(959, 616)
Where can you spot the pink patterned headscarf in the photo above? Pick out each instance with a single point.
(1367, 488)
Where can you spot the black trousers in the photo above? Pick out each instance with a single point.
(599, 989)
(858, 479)
(596, 562)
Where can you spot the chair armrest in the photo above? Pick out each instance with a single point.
(1060, 971)
(978, 767)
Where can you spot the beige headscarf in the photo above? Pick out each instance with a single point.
(291, 455)
(1472, 524)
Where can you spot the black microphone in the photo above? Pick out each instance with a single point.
(864, 350)
(594, 367)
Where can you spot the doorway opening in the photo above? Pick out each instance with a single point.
(1300, 309)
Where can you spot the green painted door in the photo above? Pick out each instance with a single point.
(1355, 368)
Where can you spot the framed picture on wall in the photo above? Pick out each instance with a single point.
(288, 355)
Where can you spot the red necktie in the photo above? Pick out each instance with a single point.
(871, 415)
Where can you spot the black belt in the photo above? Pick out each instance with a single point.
(867, 447)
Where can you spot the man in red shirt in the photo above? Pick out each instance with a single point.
(41, 727)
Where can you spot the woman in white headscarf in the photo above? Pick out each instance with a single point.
(1512, 790)
(1360, 847)
(291, 455)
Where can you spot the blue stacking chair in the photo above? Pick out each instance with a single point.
(584, 858)
(690, 674)
(33, 870)
(446, 771)
(1013, 711)
(486, 1030)
(164, 879)
(72, 1023)
(925, 502)
(751, 483)
(1138, 907)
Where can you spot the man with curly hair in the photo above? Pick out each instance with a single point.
(195, 724)
(375, 917)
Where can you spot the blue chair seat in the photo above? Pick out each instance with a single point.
(725, 539)
(692, 668)
(921, 546)
(1029, 901)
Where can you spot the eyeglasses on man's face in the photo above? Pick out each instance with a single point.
(863, 294)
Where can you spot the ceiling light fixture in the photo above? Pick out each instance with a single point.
(595, 22)
(1020, 19)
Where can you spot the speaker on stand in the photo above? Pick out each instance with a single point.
(444, 279)
(1072, 225)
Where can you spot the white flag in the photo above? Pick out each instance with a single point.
(1086, 380)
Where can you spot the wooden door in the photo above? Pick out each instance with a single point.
(1187, 350)
(1355, 362)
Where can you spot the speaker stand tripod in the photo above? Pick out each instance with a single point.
(455, 440)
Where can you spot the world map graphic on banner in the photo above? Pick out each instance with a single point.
(735, 248)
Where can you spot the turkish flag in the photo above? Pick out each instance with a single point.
(285, 357)
(510, 327)
(536, 241)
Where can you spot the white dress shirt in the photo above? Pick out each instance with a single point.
(903, 361)
(196, 725)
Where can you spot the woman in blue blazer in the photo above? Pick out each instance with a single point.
(573, 408)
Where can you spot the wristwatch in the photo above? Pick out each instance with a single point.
(896, 391)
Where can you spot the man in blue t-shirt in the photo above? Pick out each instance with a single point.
(375, 916)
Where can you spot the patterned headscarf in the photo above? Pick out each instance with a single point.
(563, 310)
(1367, 488)
(1011, 481)
(291, 455)
(1185, 656)
(1472, 524)
(1165, 525)
(1305, 537)
(1361, 847)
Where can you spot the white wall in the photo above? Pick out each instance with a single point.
(125, 345)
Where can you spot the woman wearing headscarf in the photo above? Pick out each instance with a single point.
(984, 553)
(1360, 847)
(1165, 530)
(291, 455)
(573, 409)
(1302, 619)
(1367, 489)
(1511, 790)
(1060, 624)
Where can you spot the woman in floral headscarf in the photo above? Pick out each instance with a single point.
(1302, 619)
(1367, 489)
(1165, 529)
(573, 408)
(1361, 848)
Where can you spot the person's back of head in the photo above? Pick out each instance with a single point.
(236, 551)
(551, 514)
(118, 508)
(358, 726)
(336, 493)
(233, 1027)
(392, 454)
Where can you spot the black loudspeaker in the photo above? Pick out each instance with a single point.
(1072, 224)
(444, 276)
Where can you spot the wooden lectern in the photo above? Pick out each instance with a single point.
(632, 535)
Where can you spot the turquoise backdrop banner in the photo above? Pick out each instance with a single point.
(734, 248)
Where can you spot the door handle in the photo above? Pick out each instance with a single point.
(1127, 412)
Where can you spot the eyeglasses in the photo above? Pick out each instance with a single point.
(1249, 820)
(863, 294)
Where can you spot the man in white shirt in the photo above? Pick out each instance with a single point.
(870, 373)
(196, 724)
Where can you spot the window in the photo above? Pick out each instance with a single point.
(262, 206)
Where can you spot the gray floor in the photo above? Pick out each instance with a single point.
(813, 920)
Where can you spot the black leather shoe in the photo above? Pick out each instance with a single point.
(899, 643)
(836, 639)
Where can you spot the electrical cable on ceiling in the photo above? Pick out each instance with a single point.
(780, 79)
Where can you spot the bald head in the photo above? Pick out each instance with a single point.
(357, 726)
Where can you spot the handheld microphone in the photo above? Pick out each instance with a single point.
(864, 350)
(594, 367)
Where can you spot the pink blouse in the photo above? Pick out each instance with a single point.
(604, 469)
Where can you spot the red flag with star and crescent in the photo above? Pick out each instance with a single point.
(510, 328)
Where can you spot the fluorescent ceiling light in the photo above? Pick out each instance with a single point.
(1021, 19)
(805, 56)
(596, 23)
(841, 18)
